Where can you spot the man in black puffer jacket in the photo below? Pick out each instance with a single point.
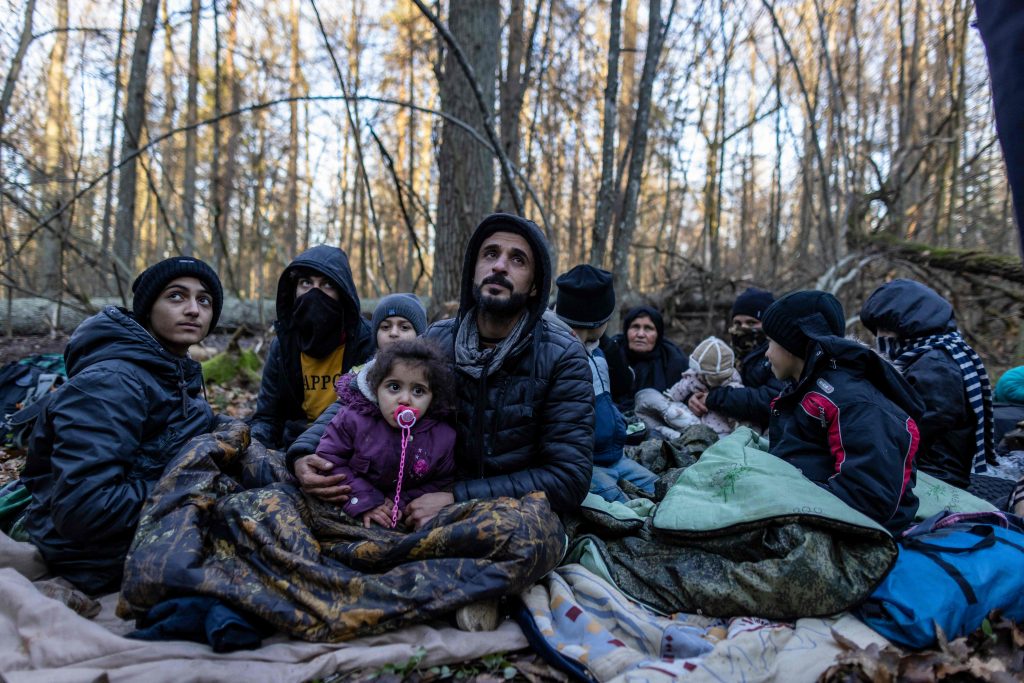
(525, 390)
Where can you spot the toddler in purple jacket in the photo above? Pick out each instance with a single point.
(390, 450)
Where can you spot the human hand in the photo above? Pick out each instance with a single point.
(696, 403)
(312, 471)
(381, 515)
(426, 507)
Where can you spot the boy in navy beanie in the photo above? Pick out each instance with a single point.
(846, 419)
(586, 299)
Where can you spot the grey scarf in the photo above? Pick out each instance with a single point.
(477, 362)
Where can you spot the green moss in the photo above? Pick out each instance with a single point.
(233, 366)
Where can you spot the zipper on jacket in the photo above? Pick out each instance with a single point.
(481, 403)
(182, 386)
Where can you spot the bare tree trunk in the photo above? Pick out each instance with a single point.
(406, 284)
(24, 40)
(216, 220)
(775, 197)
(191, 135)
(606, 194)
(170, 150)
(228, 180)
(55, 162)
(576, 241)
(629, 49)
(291, 227)
(134, 115)
(512, 88)
(657, 30)
(949, 175)
(466, 170)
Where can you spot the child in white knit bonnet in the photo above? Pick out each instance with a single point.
(712, 364)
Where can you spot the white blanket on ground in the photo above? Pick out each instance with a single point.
(588, 620)
(43, 640)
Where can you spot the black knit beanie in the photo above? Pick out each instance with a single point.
(781, 322)
(586, 297)
(151, 282)
(407, 306)
(753, 302)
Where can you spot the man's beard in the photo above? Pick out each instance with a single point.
(499, 307)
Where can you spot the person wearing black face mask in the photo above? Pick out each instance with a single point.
(751, 402)
(320, 335)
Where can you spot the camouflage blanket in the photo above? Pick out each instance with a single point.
(738, 533)
(210, 528)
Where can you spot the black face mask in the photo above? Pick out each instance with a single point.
(319, 323)
(745, 339)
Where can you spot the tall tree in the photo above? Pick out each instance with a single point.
(512, 89)
(55, 159)
(465, 168)
(291, 228)
(234, 86)
(134, 116)
(607, 193)
(192, 134)
(656, 31)
(24, 40)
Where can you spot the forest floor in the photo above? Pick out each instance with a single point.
(239, 401)
(998, 644)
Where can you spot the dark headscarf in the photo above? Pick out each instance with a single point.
(659, 368)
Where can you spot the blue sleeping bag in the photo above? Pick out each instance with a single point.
(952, 570)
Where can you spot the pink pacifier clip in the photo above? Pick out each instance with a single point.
(406, 418)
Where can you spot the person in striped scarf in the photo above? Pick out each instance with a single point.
(916, 330)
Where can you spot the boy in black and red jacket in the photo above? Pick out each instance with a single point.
(847, 420)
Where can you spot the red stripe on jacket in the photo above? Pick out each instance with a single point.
(908, 459)
(822, 408)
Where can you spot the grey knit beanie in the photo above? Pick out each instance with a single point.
(404, 305)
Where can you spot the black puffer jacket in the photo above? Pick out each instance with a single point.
(279, 417)
(849, 424)
(751, 402)
(127, 409)
(912, 310)
(528, 426)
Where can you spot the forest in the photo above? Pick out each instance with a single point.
(693, 147)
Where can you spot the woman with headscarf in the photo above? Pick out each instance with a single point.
(653, 361)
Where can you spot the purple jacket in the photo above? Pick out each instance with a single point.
(367, 450)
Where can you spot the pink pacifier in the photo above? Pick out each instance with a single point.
(406, 416)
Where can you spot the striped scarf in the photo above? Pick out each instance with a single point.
(976, 384)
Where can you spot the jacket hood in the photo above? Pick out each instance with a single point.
(828, 348)
(542, 277)
(114, 334)
(330, 262)
(908, 308)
